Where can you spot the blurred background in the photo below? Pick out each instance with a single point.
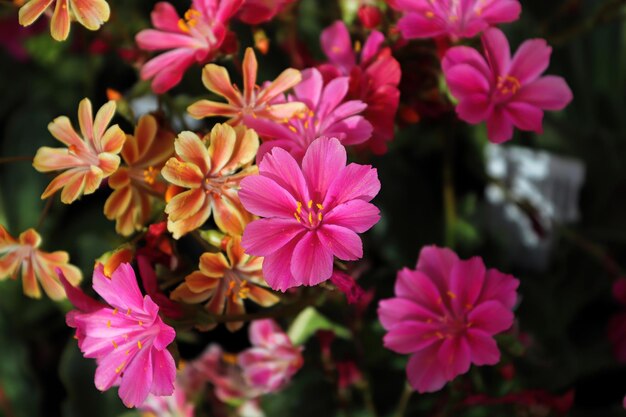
(550, 209)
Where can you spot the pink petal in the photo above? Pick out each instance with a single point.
(164, 372)
(454, 356)
(337, 46)
(262, 196)
(165, 17)
(324, 160)
(312, 261)
(417, 25)
(419, 288)
(501, 11)
(484, 350)
(497, 51)
(356, 215)
(437, 264)
(466, 283)
(372, 45)
(424, 370)
(265, 236)
(281, 167)
(310, 88)
(525, 116)
(409, 337)
(500, 287)
(167, 69)
(352, 183)
(155, 40)
(352, 130)
(277, 268)
(109, 368)
(344, 243)
(121, 290)
(530, 61)
(393, 311)
(491, 317)
(474, 108)
(262, 332)
(548, 93)
(332, 95)
(499, 127)
(137, 379)
(466, 55)
(464, 79)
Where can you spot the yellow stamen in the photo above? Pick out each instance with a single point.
(119, 368)
(429, 14)
(229, 358)
(299, 207)
(140, 323)
(108, 323)
(115, 311)
(319, 216)
(293, 129)
(309, 204)
(357, 46)
(439, 335)
(297, 217)
(114, 344)
(451, 294)
(139, 345)
(128, 311)
(310, 218)
(319, 206)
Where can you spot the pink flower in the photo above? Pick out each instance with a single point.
(373, 80)
(445, 314)
(504, 91)
(175, 405)
(312, 213)
(127, 338)
(195, 38)
(457, 19)
(329, 115)
(254, 12)
(272, 360)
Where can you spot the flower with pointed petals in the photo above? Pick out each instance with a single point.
(456, 19)
(272, 360)
(506, 92)
(257, 102)
(224, 282)
(329, 115)
(212, 169)
(175, 405)
(137, 182)
(126, 336)
(311, 213)
(195, 38)
(36, 265)
(90, 13)
(87, 160)
(374, 78)
(445, 314)
(254, 12)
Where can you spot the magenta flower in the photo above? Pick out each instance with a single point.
(254, 12)
(127, 338)
(195, 38)
(272, 360)
(445, 314)
(329, 116)
(175, 405)
(504, 91)
(373, 80)
(456, 19)
(312, 213)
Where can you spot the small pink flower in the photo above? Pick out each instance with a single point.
(254, 12)
(445, 314)
(127, 337)
(175, 405)
(374, 78)
(504, 91)
(195, 38)
(329, 115)
(312, 213)
(272, 360)
(457, 19)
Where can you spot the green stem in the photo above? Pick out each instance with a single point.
(403, 402)
(449, 198)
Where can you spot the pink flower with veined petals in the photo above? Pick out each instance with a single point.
(506, 92)
(445, 315)
(272, 360)
(312, 213)
(127, 337)
(374, 79)
(195, 38)
(457, 19)
(254, 12)
(329, 115)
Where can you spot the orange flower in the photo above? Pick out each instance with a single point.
(145, 154)
(224, 283)
(89, 13)
(255, 101)
(35, 264)
(87, 160)
(211, 169)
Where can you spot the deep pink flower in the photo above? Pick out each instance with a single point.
(454, 18)
(312, 213)
(272, 360)
(329, 115)
(175, 405)
(347, 285)
(254, 12)
(127, 337)
(374, 78)
(195, 38)
(504, 91)
(445, 314)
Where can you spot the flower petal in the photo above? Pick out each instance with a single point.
(342, 242)
(265, 236)
(411, 336)
(312, 261)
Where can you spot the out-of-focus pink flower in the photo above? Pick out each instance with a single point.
(329, 115)
(196, 37)
(312, 213)
(457, 19)
(36, 265)
(90, 13)
(87, 160)
(272, 360)
(13, 37)
(348, 374)
(617, 323)
(175, 405)
(370, 15)
(374, 78)
(256, 102)
(347, 285)
(506, 92)
(127, 337)
(254, 12)
(445, 315)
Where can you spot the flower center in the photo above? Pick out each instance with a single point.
(150, 175)
(190, 21)
(507, 85)
(238, 290)
(309, 216)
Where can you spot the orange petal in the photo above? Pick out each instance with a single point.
(250, 68)
(93, 179)
(55, 159)
(262, 297)
(108, 163)
(188, 224)
(61, 128)
(191, 149)
(217, 80)
(197, 282)
(31, 238)
(5, 237)
(103, 118)
(119, 178)
(184, 294)
(32, 10)
(234, 308)
(91, 13)
(218, 299)
(118, 257)
(229, 215)
(130, 151)
(245, 150)
(74, 187)
(186, 204)
(285, 110)
(29, 281)
(287, 79)
(183, 174)
(223, 140)
(207, 108)
(113, 140)
(85, 118)
(60, 181)
(213, 265)
(117, 203)
(9, 264)
(48, 279)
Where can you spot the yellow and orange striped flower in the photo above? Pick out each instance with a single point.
(137, 183)
(211, 169)
(36, 265)
(87, 160)
(224, 282)
(89, 13)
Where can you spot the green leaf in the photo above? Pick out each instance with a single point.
(308, 322)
